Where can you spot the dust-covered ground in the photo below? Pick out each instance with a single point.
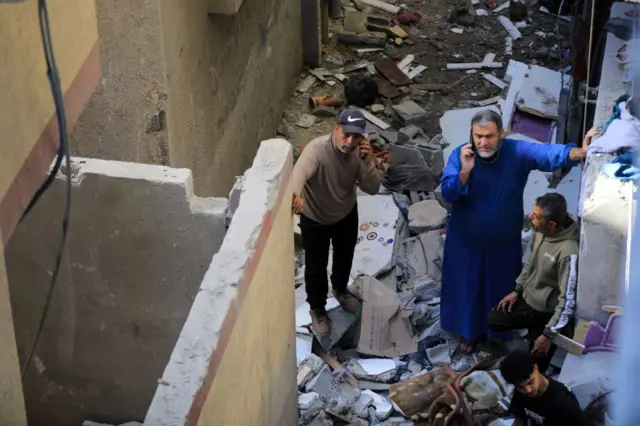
(434, 44)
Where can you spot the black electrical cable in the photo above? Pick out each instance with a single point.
(56, 90)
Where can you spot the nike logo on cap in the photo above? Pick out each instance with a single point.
(352, 120)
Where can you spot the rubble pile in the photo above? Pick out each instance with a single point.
(404, 66)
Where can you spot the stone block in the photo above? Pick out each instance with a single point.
(433, 156)
(426, 216)
(444, 203)
(439, 355)
(321, 383)
(361, 407)
(405, 155)
(410, 112)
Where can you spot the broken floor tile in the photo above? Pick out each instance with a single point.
(322, 419)
(439, 355)
(307, 399)
(375, 369)
(410, 112)
(426, 216)
(383, 406)
(361, 407)
(321, 383)
(303, 348)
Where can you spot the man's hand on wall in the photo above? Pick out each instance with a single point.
(297, 204)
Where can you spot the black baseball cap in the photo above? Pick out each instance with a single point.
(352, 121)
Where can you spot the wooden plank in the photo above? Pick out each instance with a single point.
(390, 70)
(387, 89)
(371, 118)
(381, 5)
(488, 59)
(515, 73)
(502, 7)
(495, 80)
(568, 345)
(416, 71)
(472, 65)
(406, 61)
(370, 39)
(511, 29)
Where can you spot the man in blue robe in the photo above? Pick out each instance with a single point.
(484, 181)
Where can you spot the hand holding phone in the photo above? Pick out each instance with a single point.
(365, 149)
(467, 158)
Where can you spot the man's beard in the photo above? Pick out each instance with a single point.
(487, 154)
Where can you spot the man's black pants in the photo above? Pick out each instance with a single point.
(316, 238)
(523, 316)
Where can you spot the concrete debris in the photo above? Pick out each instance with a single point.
(377, 108)
(425, 289)
(426, 216)
(322, 419)
(335, 58)
(305, 400)
(303, 348)
(323, 111)
(373, 369)
(361, 407)
(321, 383)
(305, 121)
(484, 389)
(415, 134)
(444, 203)
(439, 355)
(421, 314)
(396, 421)
(383, 406)
(410, 113)
(306, 84)
(387, 7)
(309, 369)
(374, 386)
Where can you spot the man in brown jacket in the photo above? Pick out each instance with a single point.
(324, 194)
(544, 298)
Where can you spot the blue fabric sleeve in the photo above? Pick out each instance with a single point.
(545, 157)
(452, 188)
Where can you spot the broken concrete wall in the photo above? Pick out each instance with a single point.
(235, 361)
(189, 88)
(603, 240)
(138, 247)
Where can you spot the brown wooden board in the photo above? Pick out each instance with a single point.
(388, 68)
(387, 89)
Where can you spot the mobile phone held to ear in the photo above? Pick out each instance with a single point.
(471, 141)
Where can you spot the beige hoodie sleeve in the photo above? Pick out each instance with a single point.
(305, 168)
(566, 308)
(526, 268)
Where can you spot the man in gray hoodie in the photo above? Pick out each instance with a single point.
(544, 298)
